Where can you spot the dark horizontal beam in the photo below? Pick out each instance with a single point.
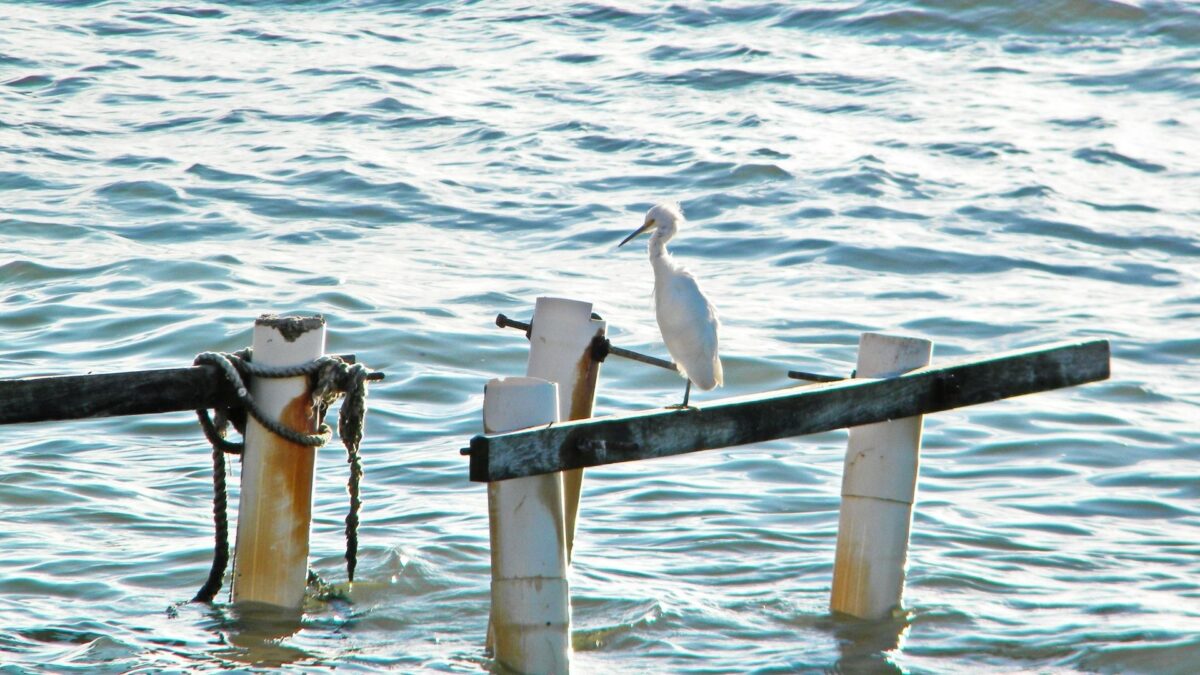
(788, 412)
(141, 392)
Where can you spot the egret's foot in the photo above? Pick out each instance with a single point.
(681, 406)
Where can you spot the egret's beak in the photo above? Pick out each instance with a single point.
(649, 224)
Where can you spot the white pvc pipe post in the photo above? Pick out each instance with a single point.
(879, 483)
(530, 629)
(275, 511)
(560, 350)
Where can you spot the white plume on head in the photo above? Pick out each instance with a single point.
(666, 212)
(667, 218)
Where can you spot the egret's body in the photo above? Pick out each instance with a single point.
(687, 320)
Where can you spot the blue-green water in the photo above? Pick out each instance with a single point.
(986, 175)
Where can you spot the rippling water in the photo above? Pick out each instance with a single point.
(988, 175)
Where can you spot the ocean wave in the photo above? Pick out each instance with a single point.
(997, 19)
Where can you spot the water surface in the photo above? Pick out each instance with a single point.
(989, 176)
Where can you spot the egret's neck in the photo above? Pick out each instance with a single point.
(660, 257)
(658, 246)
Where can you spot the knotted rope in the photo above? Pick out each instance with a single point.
(332, 378)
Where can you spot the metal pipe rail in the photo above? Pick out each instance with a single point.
(601, 347)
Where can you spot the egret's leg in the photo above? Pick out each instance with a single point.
(687, 392)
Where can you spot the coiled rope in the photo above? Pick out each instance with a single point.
(331, 378)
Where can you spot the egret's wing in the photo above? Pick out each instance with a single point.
(689, 324)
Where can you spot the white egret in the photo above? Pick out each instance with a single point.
(687, 320)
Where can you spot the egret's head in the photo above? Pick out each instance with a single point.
(664, 219)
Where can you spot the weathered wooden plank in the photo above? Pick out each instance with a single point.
(141, 392)
(43, 399)
(788, 412)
